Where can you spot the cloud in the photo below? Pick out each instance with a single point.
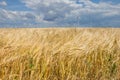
(64, 13)
(15, 17)
(21, 19)
(50, 10)
(3, 3)
(76, 12)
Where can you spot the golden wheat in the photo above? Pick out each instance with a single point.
(60, 54)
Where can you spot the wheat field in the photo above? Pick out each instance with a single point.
(60, 54)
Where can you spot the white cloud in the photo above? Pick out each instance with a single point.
(65, 13)
(53, 10)
(21, 19)
(15, 17)
(3, 3)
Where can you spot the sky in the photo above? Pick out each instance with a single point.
(59, 13)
